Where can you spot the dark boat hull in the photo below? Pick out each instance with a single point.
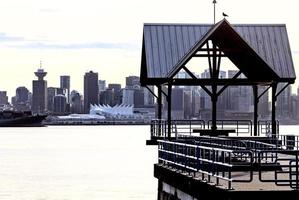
(24, 121)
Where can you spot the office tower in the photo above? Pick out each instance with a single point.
(148, 96)
(91, 90)
(59, 104)
(52, 92)
(22, 94)
(3, 98)
(65, 84)
(128, 96)
(263, 106)
(76, 102)
(102, 85)
(117, 96)
(39, 95)
(132, 82)
(138, 98)
(107, 97)
(21, 101)
(283, 102)
(177, 103)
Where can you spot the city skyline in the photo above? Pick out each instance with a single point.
(75, 37)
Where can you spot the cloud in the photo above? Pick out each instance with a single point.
(7, 38)
(49, 10)
(23, 43)
(90, 45)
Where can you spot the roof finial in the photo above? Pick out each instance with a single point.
(40, 64)
(214, 2)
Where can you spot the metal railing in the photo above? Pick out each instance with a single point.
(213, 159)
(265, 127)
(242, 127)
(206, 163)
(285, 164)
(159, 127)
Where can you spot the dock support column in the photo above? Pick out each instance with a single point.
(169, 110)
(273, 110)
(255, 113)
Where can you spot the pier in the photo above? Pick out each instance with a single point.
(221, 158)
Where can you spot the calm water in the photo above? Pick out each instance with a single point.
(77, 162)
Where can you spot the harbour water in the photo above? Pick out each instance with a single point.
(77, 163)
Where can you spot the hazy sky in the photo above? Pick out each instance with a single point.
(75, 36)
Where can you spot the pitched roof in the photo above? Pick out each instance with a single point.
(167, 46)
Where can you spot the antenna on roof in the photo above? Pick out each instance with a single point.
(214, 2)
(40, 64)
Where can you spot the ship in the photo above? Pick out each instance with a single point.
(11, 118)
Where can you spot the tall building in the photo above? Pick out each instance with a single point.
(91, 90)
(128, 96)
(22, 94)
(117, 95)
(76, 102)
(39, 95)
(21, 101)
(283, 102)
(148, 96)
(52, 92)
(102, 85)
(132, 82)
(59, 104)
(138, 98)
(65, 84)
(3, 98)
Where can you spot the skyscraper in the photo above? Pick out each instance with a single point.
(117, 96)
(22, 94)
(39, 89)
(3, 98)
(132, 82)
(21, 101)
(91, 90)
(65, 84)
(59, 104)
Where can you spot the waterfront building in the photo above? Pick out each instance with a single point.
(60, 104)
(132, 82)
(76, 103)
(91, 90)
(3, 98)
(65, 84)
(148, 96)
(39, 92)
(138, 98)
(102, 85)
(52, 92)
(21, 101)
(22, 94)
(283, 102)
(116, 93)
(128, 96)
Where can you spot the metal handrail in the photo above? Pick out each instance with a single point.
(210, 162)
(216, 158)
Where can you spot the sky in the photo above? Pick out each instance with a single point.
(72, 37)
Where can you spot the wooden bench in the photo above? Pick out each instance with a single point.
(208, 132)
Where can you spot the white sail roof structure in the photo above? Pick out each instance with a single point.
(122, 110)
